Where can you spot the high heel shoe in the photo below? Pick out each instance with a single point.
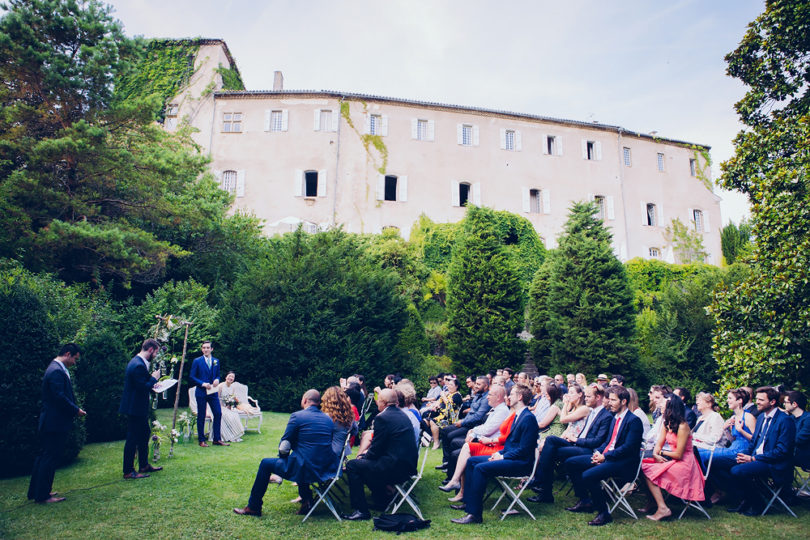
(457, 498)
(450, 486)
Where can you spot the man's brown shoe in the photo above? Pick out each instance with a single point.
(220, 443)
(204, 444)
(150, 468)
(52, 500)
(133, 476)
(247, 511)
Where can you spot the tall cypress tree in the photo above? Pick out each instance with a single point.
(540, 344)
(484, 299)
(591, 324)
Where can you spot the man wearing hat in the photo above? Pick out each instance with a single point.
(602, 380)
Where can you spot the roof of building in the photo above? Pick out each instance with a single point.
(246, 94)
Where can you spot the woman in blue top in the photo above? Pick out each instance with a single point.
(741, 423)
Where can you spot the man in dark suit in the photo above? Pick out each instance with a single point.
(796, 406)
(516, 458)
(769, 454)
(135, 405)
(58, 409)
(618, 458)
(205, 374)
(558, 449)
(305, 456)
(390, 459)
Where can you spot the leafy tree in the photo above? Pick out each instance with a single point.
(686, 243)
(484, 299)
(763, 330)
(313, 308)
(735, 241)
(538, 315)
(591, 325)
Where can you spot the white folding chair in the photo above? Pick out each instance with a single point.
(696, 504)
(618, 495)
(775, 491)
(509, 484)
(404, 489)
(802, 483)
(322, 489)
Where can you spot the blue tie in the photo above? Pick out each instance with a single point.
(208, 363)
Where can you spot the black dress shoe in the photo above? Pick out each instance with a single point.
(581, 507)
(357, 515)
(305, 508)
(466, 520)
(740, 508)
(752, 511)
(542, 497)
(602, 518)
(461, 506)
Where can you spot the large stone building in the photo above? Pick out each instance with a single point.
(368, 163)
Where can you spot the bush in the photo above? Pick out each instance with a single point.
(31, 336)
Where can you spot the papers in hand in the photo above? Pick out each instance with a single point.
(212, 390)
(162, 386)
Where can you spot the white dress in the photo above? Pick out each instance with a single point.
(231, 427)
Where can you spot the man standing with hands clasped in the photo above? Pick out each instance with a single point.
(58, 409)
(205, 373)
(135, 405)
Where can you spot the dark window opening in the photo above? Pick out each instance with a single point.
(463, 194)
(550, 145)
(311, 184)
(591, 151)
(534, 201)
(390, 188)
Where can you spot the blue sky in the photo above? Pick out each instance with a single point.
(644, 65)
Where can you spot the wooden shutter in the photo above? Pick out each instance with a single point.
(598, 148)
(503, 138)
(367, 124)
(546, 201)
(335, 119)
(476, 194)
(317, 120)
(431, 134)
(384, 125)
(544, 143)
(643, 213)
(660, 215)
(526, 196)
(584, 149)
(459, 135)
(285, 119)
(267, 115)
(558, 144)
(414, 128)
(240, 183)
(706, 226)
(380, 187)
(518, 141)
(298, 186)
(454, 193)
(611, 212)
(322, 183)
(402, 186)
(475, 136)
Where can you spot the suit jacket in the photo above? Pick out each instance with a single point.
(58, 403)
(137, 385)
(393, 446)
(691, 418)
(478, 411)
(802, 446)
(599, 431)
(200, 374)
(522, 440)
(309, 433)
(779, 441)
(628, 441)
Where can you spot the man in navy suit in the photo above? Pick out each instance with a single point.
(558, 449)
(618, 458)
(138, 384)
(309, 437)
(769, 454)
(58, 409)
(516, 458)
(205, 374)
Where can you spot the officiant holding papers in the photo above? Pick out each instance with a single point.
(205, 374)
(138, 384)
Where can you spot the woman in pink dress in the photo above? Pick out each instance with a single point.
(675, 471)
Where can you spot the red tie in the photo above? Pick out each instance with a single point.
(609, 447)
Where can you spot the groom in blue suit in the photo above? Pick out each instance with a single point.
(205, 374)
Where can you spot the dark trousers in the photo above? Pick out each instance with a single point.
(555, 450)
(267, 467)
(448, 434)
(213, 401)
(586, 477)
(738, 479)
(360, 472)
(479, 471)
(137, 439)
(51, 445)
(455, 450)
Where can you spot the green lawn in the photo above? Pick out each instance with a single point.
(193, 497)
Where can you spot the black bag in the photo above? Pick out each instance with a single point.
(399, 523)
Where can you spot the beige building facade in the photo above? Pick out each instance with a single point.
(368, 163)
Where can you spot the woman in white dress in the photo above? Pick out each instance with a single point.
(231, 427)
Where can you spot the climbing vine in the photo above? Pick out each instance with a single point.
(231, 80)
(368, 140)
(702, 171)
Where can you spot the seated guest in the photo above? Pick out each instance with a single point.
(479, 407)
(770, 454)
(433, 394)
(795, 405)
(336, 405)
(581, 380)
(741, 426)
(474, 445)
(617, 380)
(618, 458)
(486, 431)
(570, 379)
(446, 413)
(675, 471)
(390, 459)
(635, 409)
(683, 393)
(550, 421)
(710, 425)
(559, 380)
(558, 449)
(465, 400)
(574, 411)
(305, 456)
(602, 380)
(537, 395)
(751, 406)
(406, 394)
(658, 401)
(507, 374)
(516, 458)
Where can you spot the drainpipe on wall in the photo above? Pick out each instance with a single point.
(337, 162)
(621, 187)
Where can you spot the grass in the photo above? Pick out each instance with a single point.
(193, 497)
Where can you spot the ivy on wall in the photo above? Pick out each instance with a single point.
(231, 79)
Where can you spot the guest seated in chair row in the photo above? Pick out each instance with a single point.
(796, 406)
(305, 456)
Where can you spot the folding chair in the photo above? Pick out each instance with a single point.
(802, 483)
(696, 504)
(508, 484)
(405, 488)
(322, 489)
(618, 495)
(771, 486)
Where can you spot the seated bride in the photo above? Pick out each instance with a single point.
(227, 393)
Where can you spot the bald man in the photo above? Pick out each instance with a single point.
(305, 456)
(390, 459)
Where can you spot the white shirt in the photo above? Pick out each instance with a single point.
(64, 367)
(645, 420)
(493, 422)
(145, 361)
(620, 419)
(771, 414)
(709, 431)
(541, 408)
